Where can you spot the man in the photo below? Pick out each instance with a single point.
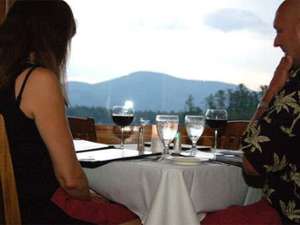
(271, 143)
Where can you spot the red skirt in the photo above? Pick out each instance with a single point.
(94, 211)
(259, 213)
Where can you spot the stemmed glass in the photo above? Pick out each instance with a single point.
(194, 125)
(122, 116)
(216, 119)
(167, 126)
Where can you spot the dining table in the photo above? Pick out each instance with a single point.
(171, 192)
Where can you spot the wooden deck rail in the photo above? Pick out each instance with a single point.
(229, 137)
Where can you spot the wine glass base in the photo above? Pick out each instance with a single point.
(120, 147)
(164, 157)
(213, 149)
(192, 151)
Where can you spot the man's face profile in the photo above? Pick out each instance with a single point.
(287, 26)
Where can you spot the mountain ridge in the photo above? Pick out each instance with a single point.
(148, 90)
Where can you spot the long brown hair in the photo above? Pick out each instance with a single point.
(40, 28)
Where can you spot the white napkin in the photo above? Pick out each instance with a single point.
(81, 145)
(201, 155)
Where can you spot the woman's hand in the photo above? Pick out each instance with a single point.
(280, 77)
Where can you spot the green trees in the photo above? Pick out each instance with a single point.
(240, 103)
(190, 106)
(100, 114)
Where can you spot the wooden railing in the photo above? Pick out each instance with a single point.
(85, 128)
(111, 134)
(229, 137)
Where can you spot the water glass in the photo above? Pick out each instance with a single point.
(194, 125)
(167, 126)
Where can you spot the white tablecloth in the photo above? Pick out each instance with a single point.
(168, 194)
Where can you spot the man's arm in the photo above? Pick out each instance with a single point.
(249, 169)
(251, 176)
(280, 77)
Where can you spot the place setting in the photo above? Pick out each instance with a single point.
(216, 119)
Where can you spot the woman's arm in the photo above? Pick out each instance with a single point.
(43, 101)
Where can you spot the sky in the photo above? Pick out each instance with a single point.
(224, 40)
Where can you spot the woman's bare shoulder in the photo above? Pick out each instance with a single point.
(42, 83)
(43, 76)
(42, 91)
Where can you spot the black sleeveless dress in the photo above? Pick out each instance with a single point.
(35, 178)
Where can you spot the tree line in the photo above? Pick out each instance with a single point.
(240, 104)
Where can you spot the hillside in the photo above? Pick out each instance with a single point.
(148, 91)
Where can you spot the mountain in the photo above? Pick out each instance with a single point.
(148, 91)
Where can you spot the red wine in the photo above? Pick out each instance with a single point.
(122, 120)
(215, 124)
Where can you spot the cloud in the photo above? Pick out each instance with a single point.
(229, 20)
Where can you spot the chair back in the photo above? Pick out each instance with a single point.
(9, 204)
(229, 137)
(83, 128)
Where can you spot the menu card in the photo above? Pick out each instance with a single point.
(92, 159)
(83, 145)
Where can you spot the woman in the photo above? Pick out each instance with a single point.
(34, 40)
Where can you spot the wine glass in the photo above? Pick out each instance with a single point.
(216, 119)
(167, 126)
(194, 125)
(122, 116)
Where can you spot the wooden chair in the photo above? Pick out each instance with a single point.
(229, 137)
(83, 128)
(9, 204)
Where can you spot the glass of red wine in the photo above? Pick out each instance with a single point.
(216, 119)
(122, 116)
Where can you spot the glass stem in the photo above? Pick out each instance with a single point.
(164, 153)
(194, 149)
(215, 140)
(122, 139)
(166, 149)
(193, 145)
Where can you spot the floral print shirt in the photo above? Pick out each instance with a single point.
(272, 146)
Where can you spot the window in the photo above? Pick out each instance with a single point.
(168, 55)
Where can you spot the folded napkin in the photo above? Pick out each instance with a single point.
(260, 213)
(229, 152)
(95, 211)
(200, 155)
